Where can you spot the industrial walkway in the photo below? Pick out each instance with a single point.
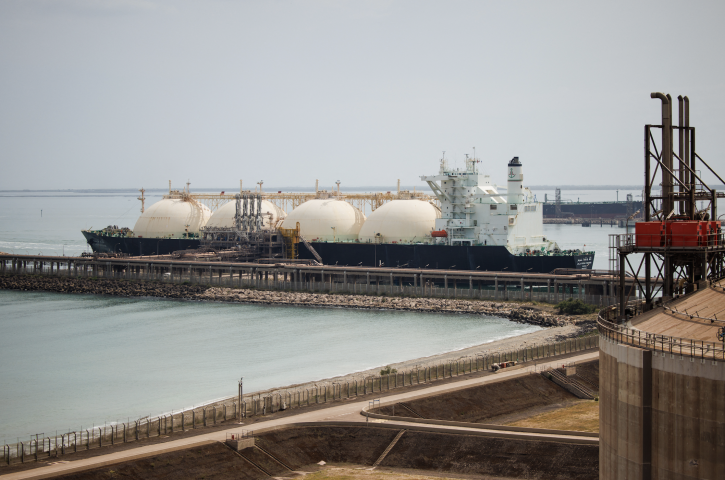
(346, 413)
(688, 317)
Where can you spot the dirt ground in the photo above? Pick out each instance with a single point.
(302, 448)
(329, 472)
(504, 402)
(489, 403)
(214, 460)
(582, 416)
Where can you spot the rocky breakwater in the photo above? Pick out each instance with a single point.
(121, 288)
(516, 312)
(513, 311)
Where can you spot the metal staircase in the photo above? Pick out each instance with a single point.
(312, 250)
(390, 447)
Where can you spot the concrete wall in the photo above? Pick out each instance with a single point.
(662, 416)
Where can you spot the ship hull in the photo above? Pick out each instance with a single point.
(459, 257)
(138, 246)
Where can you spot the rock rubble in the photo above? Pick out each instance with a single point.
(513, 311)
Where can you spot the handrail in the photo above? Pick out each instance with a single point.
(684, 347)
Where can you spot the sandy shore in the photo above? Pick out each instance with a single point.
(546, 335)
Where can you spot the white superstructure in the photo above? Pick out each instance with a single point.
(473, 212)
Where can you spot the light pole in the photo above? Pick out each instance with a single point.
(241, 394)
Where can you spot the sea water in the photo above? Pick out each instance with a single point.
(71, 360)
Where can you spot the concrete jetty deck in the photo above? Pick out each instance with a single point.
(595, 287)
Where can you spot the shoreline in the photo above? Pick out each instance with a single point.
(544, 336)
(519, 312)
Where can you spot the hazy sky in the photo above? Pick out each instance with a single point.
(113, 94)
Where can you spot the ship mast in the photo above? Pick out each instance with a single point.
(142, 198)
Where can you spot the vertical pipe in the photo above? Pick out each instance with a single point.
(647, 189)
(622, 288)
(689, 178)
(669, 157)
(681, 149)
(666, 155)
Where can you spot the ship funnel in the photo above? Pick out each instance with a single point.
(515, 189)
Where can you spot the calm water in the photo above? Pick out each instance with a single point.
(68, 361)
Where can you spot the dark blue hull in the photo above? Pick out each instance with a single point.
(138, 246)
(479, 257)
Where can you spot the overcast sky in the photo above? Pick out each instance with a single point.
(114, 94)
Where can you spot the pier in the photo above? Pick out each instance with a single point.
(590, 286)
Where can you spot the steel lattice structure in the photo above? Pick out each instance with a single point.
(682, 265)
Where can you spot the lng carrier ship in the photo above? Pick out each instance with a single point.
(467, 225)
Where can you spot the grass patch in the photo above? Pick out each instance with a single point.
(581, 417)
(338, 473)
(575, 307)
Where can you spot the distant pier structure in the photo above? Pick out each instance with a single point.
(662, 357)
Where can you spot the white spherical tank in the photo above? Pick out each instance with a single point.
(172, 218)
(224, 215)
(400, 221)
(326, 220)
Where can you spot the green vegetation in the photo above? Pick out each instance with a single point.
(590, 333)
(388, 371)
(575, 307)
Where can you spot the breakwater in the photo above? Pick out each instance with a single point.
(512, 311)
(131, 288)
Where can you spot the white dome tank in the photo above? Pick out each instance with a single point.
(401, 221)
(318, 217)
(171, 218)
(224, 215)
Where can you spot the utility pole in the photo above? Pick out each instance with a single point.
(241, 393)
